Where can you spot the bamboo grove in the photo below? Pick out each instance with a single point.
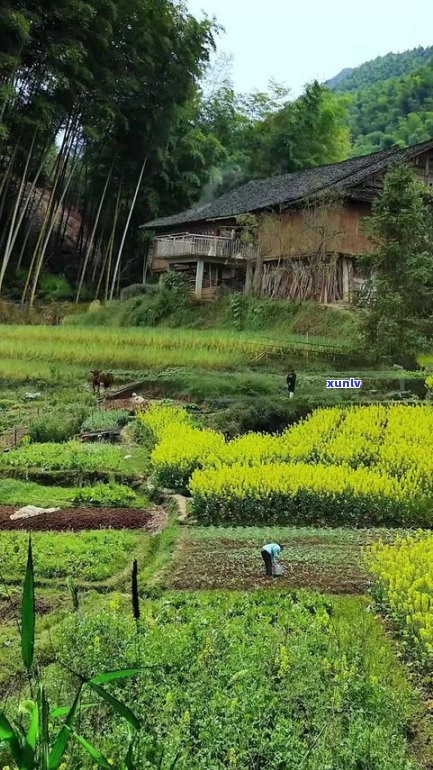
(92, 93)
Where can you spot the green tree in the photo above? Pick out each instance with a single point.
(307, 132)
(400, 306)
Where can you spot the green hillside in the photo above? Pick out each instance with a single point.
(392, 65)
(396, 111)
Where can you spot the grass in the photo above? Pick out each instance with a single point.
(323, 559)
(17, 492)
(142, 348)
(274, 317)
(88, 557)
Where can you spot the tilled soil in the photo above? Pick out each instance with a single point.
(209, 566)
(77, 519)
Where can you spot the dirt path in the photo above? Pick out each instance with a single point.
(77, 519)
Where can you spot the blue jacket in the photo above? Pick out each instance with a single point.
(274, 549)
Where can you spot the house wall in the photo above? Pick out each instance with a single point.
(332, 230)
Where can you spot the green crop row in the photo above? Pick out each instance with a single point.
(235, 681)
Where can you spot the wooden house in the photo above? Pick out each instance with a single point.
(294, 236)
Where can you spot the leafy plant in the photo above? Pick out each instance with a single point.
(56, 428)
(29, 741)
(55, 288)
(106, 495)
(238, 305)
(72, 456)
(101, 554)
(101, 420)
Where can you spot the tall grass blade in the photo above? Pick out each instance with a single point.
(28, 612)
(129, 763)
(6, 730)
(31, 739)
(117, 706)
(33, 729)
(62, 711)
(111, 676)
(44, 711)
(56, 753)
(94, 753)
(9, 736)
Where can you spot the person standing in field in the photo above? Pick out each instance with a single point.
(270, 555)
(291, 383)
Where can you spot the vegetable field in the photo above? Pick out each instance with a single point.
(247, 681)
(328, 560)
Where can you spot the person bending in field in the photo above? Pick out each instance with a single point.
(291, 383)
(270, 555)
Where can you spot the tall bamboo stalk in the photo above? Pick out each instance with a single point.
(109, 252)
(58, 166)
(10, 240)
(125, 231)
(92, 236)
(48, 235)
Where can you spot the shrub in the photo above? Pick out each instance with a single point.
(109, 495)
(134, 290)
(55, 428)
(55, 288)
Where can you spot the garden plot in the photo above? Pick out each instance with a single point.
(241, 681)
(79, 519)
(73, 460)
(90, 558)
(329, 560)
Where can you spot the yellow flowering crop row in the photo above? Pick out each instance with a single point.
(404, 574)
(287, 493)
(395, 442)
(181, 450)
(158, 417)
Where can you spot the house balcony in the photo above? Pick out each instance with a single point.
(186, 247)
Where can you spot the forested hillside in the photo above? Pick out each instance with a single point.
(395, 111)
(392, 65)
(391, 100)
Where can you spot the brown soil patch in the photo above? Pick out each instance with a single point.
(77, 519)
(297, 575)
(10, 609)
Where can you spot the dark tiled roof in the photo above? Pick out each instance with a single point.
(285, 190)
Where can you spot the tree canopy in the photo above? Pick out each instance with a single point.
(399, 311)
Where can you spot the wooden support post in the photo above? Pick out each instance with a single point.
(199, 277)
(248, 279)
(346, 287)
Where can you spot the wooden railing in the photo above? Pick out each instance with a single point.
(212, 246)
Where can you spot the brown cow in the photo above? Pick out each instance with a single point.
(99, 378)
